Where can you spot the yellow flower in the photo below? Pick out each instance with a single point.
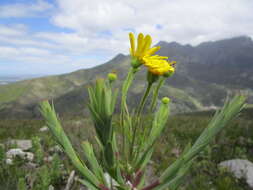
(159, 65)
(143, 46)
(144, 54)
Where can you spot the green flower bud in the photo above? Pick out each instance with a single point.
(168, 74)
(165, 100)
(151, 77)
(112, 77)
(135, 63)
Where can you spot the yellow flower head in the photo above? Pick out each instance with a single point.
(159, 65)
(143, 46)
(144, 54)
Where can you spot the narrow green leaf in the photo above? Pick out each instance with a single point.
(54, 125)
(109, 155)
(89, 154)
(144, 159)
(173, 184)
(159, 123)
(89, 185)
(229, 111)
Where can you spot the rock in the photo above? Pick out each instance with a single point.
(22, 144)
(43, 129)
(29, 156)
(14, 152)
(48, 159)
(55, 149)
(240, 168)
(9, 161)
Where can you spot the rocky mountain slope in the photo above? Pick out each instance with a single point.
(206, 74)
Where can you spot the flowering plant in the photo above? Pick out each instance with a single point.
(126, 149)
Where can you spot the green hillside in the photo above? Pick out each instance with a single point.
(198, 84)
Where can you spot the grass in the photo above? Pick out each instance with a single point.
(46, 173)
(29, 91)
(12, 92)
(236, 141)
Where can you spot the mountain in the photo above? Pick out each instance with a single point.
(226, 62)
(206, 74)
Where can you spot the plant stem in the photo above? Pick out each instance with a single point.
(155, 95)
(139, 111)
(143, 100)
(124, 110)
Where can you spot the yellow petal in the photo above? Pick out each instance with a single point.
(153, 50)
(139, 44)
(146, 45)
(158, 65)
(161, 57)
(154, 71)
(132, 43)
(131, 52)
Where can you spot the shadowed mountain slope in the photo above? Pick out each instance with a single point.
(206, 74)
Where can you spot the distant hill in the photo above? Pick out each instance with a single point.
(206, 74)
(227, 62)
(15, 78)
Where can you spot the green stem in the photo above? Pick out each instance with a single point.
(155, 95)
(139, 111)
(143, 100)
(127, 83)
(152, 107)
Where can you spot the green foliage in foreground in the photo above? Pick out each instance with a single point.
(120, 167)
(235, 141)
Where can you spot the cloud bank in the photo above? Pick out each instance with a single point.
(90, 32)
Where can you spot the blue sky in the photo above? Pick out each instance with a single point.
(60, 36)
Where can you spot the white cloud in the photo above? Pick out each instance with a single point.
(24, 10)
(13, 30)
(65, 52)
(8, 52)
(72, 42)
(93, 15)
(181, 20)
(100, 28)
(34, 55)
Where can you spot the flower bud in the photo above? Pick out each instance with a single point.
(151, 77)
(168, 74)
(135, 63)
(112, 77)
(165, 100)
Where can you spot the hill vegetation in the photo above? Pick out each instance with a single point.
(234, 142)
(206, 75)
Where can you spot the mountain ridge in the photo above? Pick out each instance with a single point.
(206, 74)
